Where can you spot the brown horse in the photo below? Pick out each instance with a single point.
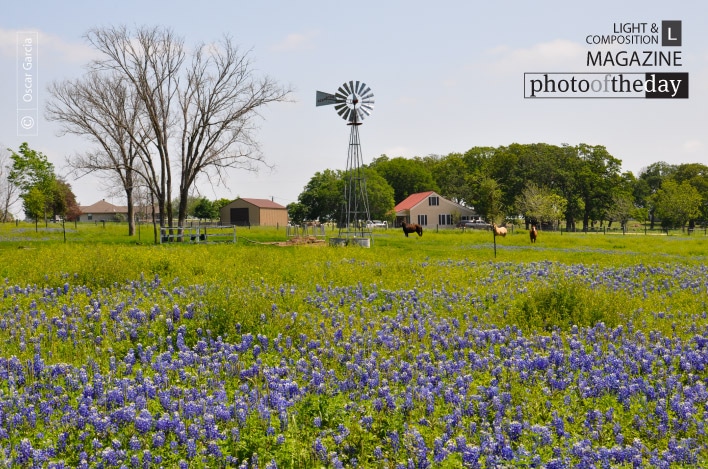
(533, 234)
(498, 230)
(412, 228)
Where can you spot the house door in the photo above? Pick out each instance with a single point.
(239, 216)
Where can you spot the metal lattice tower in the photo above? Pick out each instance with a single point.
(353, 101)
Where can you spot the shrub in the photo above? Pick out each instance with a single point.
(566, 303)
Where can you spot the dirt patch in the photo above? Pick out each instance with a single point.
(300, 240)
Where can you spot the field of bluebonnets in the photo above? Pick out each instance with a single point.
(583, 350)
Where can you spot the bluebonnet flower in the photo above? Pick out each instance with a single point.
(191, 448)
(320, 449)
(514, 430)
(144, 421)
(24, 452)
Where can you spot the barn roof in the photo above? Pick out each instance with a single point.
(263, 203)
(412, 200)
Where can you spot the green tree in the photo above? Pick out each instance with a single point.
(380, 195)
(323, 196)
(677, 204)
(450, 174)
(695, 174)
(565, 183)
(540, 205)
(490, 201)
(476, 162)
(597, 178)
(9, 192)
(34, 175)
(405, 176)
(622, 209)
(649, 182)
(34, 203)
(63, 201)
(204, 209)
(221, 203)
(297, 212)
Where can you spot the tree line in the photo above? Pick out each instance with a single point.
(580, 186)
(28, 175)
(545, 184)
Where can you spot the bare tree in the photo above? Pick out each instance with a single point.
(149, 61)
(219, 102)
(9, 192)
(104, 109)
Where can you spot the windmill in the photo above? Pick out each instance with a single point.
(353, 101)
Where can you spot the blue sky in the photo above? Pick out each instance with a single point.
(447, 76)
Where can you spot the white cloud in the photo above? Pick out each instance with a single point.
(295, 41)
(50, 47)
(692, 146)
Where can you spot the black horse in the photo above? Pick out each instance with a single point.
(412, 228)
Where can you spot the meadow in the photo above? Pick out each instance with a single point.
(583, 350)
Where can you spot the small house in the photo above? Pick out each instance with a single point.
(103, 211)
(431, 209)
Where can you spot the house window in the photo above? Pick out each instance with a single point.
(444, 219)
(90, 216)
(433, 200)
(423, 220)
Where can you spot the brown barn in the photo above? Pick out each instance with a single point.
(253, 212)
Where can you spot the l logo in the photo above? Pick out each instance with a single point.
(671, 33)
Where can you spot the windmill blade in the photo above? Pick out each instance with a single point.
(344, 90)
(324, 99)
(363, 89)
(341, 94)
(346, 114)
(341, 109)
(366, 94)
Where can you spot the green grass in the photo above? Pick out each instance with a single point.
(103, 255)
(239, 275)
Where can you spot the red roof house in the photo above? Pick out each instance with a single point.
(431, 209)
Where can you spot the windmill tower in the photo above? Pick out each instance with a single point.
(353, 101)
